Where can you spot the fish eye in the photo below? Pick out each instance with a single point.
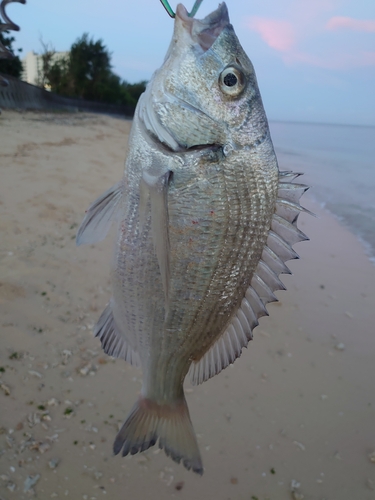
(232, 81)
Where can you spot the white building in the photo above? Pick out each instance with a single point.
(32, 66)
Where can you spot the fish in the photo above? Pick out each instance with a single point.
(206, 222)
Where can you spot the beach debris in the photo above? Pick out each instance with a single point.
(53, 438)
(372, 457)
(89, 369)
(234, 480)
(35, 374)
(300, 445)
(295, 490)
(15, 355)
(11, 486)
(10, 441)
(68, 412)
(6, 389)
(33, 418)
(66, 354)
(340, 346)
(42, 447)
(166, 476)
(323, 397)
(53, 402)
(179, 485)
(53, 463)
(30, 481)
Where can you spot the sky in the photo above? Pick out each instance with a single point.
(314, 59)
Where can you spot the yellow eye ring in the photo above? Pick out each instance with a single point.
(232, 81)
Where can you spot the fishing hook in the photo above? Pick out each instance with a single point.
(8, 25)
(169, 9)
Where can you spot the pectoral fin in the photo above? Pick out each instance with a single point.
(99, 216)
(156, 188)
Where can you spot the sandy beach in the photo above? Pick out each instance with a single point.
(293, 418)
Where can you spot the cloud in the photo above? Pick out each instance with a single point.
(338, 22)
(288, 37)
(276, 33)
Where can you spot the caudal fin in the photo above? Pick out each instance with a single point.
(171, 424)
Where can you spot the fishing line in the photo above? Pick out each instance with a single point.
(169, 9)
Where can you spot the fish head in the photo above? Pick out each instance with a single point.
(206, 92)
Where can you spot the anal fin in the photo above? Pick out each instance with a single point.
(112, 342)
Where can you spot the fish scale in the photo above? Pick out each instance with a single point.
(206, 223)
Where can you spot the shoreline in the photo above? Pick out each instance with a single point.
(293, 416)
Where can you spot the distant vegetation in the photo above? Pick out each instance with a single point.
(86, 73)
(12, 66)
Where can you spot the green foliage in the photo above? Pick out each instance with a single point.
(12, 66)
(87, 74)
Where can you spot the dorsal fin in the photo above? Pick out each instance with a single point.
(282, 235)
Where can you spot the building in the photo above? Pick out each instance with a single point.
(32, 65)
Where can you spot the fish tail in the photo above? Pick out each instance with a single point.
(149, 421)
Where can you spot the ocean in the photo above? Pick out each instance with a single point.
(338, 162)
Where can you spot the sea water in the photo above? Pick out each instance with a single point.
(338, 161)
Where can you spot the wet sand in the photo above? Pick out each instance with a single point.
(293, 418)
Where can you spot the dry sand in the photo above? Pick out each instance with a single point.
(293, 418)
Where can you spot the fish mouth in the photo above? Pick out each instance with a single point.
(205, 31)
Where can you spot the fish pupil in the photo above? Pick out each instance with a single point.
(230, 80)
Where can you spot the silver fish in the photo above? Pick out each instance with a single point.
(206, 223)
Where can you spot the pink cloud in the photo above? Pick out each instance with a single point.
(287, 37)
(348, 22)
(277, 34)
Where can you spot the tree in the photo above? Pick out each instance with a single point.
(132, 91)
(87, 74)
(11, 66)
(90, 68)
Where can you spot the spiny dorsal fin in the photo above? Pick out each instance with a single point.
(99, 216)
(113, 343)
(265, 281)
